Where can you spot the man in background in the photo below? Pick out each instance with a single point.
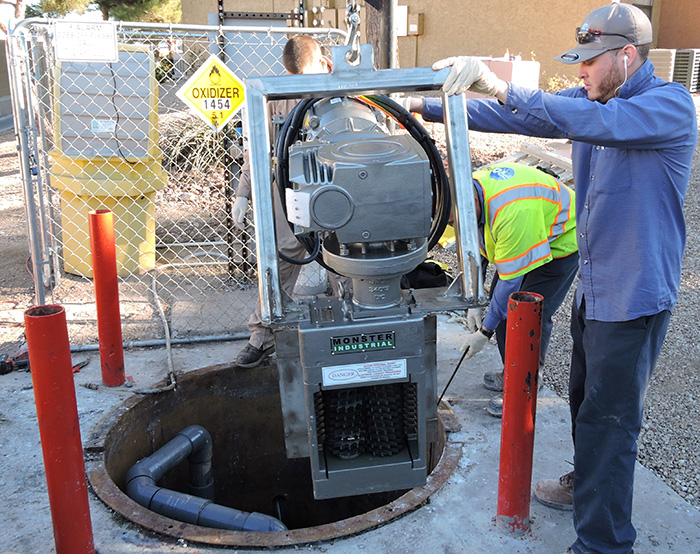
(301, 55)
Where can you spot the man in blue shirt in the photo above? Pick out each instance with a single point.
(633, 140)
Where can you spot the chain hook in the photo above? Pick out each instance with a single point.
(352, 20)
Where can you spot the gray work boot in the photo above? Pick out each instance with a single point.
(495, 406)
(556, 493)
(494, 381)
(251, 356)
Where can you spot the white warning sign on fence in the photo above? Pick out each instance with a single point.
(86, 41)
(215, 93)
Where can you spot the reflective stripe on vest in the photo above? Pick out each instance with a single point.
(535, 254)
(558, 195)
(564, 213)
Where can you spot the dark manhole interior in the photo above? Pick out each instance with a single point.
(241, 410)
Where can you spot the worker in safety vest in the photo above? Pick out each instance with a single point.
(527, 229)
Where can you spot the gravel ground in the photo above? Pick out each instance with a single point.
(669, 437)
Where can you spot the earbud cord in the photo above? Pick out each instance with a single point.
(617, 90)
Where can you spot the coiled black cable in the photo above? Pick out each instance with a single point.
(441, 196)
(288, 134)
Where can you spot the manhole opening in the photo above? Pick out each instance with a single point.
(241, 410)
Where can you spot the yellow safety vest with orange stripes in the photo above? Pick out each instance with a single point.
(529, 218)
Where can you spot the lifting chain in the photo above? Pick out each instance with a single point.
(352, 20)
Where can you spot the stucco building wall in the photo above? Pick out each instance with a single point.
(679, 23)
(535, 30)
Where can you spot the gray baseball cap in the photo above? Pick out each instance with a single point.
(612, 26)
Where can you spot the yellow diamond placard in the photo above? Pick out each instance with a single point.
(214, 92)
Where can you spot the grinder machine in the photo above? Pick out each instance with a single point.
(358, 371)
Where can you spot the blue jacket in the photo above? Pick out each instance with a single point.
(631, 159)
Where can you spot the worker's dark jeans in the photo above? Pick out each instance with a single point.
(552, 280)
(611, 365)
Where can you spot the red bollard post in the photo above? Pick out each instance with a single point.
(522, 359)
(57, 413)
(104, 273)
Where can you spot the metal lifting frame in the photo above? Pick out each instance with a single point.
(355, 79)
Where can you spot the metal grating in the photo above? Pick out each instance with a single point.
(686, 69)
(664, 62)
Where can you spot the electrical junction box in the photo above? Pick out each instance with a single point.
(415, 24)
(108, 110)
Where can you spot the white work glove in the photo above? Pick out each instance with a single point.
(474, 317)
(474, 343)
(238, 211)
(413, 104)
(468, 73)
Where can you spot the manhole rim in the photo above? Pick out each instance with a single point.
(114, 498)
(108, 492)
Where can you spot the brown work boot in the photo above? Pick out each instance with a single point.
(556, 493)
(250, 356)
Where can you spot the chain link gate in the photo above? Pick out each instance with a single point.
(116, 136)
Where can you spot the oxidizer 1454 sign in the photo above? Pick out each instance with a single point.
(363, 341)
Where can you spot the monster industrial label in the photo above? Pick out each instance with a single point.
(214, 92)
(363, 341)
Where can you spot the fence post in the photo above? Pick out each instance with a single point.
(522, 359)
(104, 271)
(57, 414)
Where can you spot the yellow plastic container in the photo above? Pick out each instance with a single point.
(106, 155)
(128, 190)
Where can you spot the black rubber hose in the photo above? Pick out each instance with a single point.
(441, 197)
(286, 137)
(313, 254)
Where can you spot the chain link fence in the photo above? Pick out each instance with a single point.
(116, 136)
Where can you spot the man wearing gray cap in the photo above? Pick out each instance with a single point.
(633, 140)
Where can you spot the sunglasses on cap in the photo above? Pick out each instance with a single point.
(585, 34)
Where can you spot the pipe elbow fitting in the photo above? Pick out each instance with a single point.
(142, 468)
(141, 490)
(202, 447)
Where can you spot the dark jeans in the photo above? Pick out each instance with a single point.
(552, 280)
(611, 365)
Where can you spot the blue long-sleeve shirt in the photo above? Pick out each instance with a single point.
(498, 307)
(631, 158)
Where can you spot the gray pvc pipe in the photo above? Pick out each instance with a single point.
(193, 443)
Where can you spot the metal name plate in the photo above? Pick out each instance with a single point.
(363, 341)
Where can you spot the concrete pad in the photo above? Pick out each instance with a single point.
(459, 518)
